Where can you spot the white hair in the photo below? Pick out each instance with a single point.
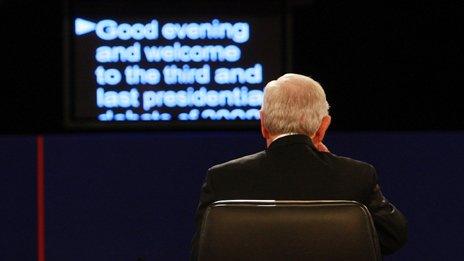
(293, 103)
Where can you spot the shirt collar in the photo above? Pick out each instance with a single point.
(288, 139)
(283, 135)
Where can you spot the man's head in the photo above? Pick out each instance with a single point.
(294, 104)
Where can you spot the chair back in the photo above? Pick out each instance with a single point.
(288, 230)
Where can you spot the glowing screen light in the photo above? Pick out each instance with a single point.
(164, 69)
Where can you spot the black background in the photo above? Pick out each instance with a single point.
(385, 66)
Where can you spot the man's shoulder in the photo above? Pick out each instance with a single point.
(245, 162)
(349, 165)
(349, 162)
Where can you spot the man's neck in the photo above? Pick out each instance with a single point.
(274, 138)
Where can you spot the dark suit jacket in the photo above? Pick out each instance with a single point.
(293, 169)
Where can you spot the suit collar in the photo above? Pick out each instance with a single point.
(291, 139)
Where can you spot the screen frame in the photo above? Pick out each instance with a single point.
(188, 7)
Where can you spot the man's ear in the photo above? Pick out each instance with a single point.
(320, 133)
(264, 131)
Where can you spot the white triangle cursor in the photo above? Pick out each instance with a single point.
(82, 26)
